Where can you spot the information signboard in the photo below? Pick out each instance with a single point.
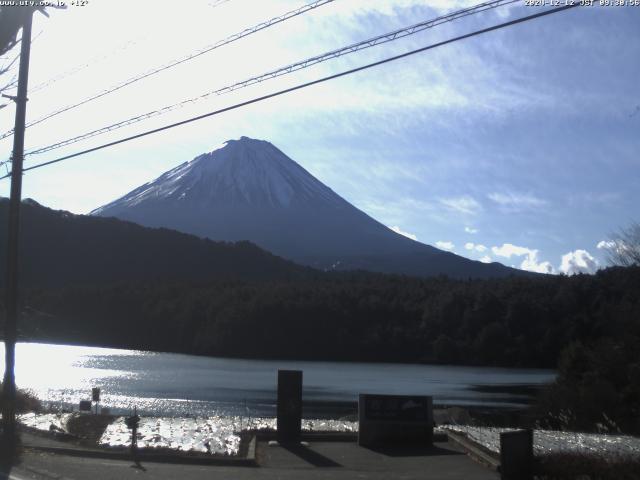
(397, 408)
(394, 419)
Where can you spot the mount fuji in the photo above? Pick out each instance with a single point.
(250, 190)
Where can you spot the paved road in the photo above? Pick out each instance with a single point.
(320, 460)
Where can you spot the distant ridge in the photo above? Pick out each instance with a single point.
(250, 190)
(59, 248)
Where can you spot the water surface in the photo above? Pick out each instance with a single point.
(180, 385)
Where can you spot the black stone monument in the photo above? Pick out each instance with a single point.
(289, 406)
(516, 455)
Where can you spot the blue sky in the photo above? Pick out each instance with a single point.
(519, 146)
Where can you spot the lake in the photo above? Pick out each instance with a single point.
(180, 385)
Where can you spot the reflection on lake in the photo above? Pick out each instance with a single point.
(179, 385)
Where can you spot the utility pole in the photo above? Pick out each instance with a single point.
(11, 284)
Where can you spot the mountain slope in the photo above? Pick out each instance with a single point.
(59, 248)
(250, 190)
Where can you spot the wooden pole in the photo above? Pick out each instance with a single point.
(11, 285)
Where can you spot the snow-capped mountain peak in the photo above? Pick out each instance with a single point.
(249, 190)
(244, 171)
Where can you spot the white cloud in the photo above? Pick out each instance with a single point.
(486, 259)
(530, 262)
(445, 5)
(475, 246)
(578, 261)
(606, 244)
(505, 11)
(470, 230)
(445, 245)
(516, 201)
(509, 249)
(619, 249)
(464, 204)
(397, 229)
(389, 7)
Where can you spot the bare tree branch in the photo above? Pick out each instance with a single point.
(11, 83)
(10, 64)
(623, 249)
(11, 21)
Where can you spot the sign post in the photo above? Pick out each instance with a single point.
(132, 422)
(95, 396)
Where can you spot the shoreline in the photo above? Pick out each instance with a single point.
(57, 342)
(311, 410)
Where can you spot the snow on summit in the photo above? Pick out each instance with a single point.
(244, 171)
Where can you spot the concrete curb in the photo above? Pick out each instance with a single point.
(251, 450)
(334, 436)
(145, 456)
(474, 451)
(315, 436)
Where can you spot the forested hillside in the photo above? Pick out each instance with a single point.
(359, 316)
(60, 248)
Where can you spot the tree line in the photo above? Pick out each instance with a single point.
(514, 322)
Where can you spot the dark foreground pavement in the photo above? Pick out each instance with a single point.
(318, 460)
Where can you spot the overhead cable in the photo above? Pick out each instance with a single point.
(355, 47)
(173, 63)
(99, 58)
(78, 68)
(303, 85)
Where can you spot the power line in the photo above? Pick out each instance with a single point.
(97, 58)
(78, 68)
(7, 69)
(355, 47)
(179, 61)
(304, 85)
(217, 3)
